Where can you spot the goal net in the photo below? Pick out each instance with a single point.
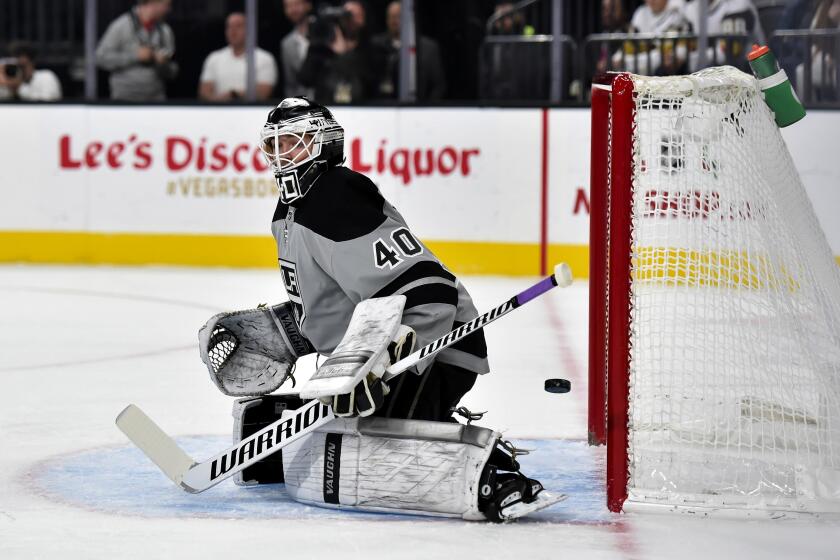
(715, 304)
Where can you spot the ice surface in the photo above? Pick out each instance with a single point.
(79, 343)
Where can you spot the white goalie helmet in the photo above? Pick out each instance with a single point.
(300, 140)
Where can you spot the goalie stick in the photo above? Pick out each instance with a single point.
(562, 277)
(194, 477)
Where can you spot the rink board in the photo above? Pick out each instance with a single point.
(490, 190)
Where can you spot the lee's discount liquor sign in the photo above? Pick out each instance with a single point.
(453, 173)
(459, 174)
(182, 153)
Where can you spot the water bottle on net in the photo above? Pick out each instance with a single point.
(776, 87)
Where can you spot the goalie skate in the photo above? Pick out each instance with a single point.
(519, 509)
(505, 493)
(509, 496)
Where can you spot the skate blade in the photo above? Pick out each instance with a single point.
(544, 499)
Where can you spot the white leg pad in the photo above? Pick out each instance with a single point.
(387, 465)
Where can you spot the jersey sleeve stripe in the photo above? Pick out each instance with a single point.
(424, 282)
(431, 293)
(418, 271)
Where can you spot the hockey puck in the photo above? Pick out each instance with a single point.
(557, 385)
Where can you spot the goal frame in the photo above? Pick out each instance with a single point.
(610, 229)
(761, 440)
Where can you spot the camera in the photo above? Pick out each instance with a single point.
(322, 26)
(11, 68)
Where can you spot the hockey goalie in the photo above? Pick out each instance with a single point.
(362, 290)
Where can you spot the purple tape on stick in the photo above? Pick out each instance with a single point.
(536, 290)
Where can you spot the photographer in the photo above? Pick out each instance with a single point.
(137, 49)
(340, 64)
(19, 80)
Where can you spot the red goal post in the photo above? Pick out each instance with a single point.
(609, 246)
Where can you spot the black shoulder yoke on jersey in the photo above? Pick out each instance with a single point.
(342, 205)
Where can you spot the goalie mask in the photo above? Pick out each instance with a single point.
(300, 140)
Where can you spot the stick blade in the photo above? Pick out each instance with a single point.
(155, 443)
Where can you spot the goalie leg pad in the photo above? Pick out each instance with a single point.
(250, 415)
(391, 465)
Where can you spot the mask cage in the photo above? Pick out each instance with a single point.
(305, 145)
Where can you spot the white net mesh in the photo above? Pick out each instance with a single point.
(735, 338)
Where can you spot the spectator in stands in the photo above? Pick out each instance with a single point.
(790, 52)
(661, 57)
(613, 20)
(137, 50)
(797, 14)
(356, 26)
(824, 65)
(727, 17)
(613, 17)
(19, 80)
(340, 65)
(431, 82)
(294, 46)
(659, 16)
(224, 74)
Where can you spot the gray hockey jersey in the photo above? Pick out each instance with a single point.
(343, 243)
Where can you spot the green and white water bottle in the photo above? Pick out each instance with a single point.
(777, 89)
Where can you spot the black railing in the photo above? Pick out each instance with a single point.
(812, 61)
(56, 26)
(517, 68)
